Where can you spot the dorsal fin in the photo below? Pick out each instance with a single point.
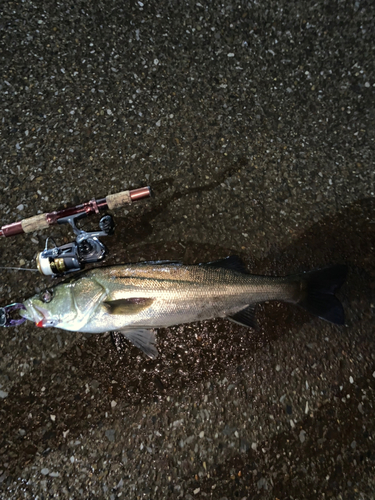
(233, 262)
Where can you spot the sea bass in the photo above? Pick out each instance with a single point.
(133, 299)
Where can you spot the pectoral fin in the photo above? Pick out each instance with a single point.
(141, 338)
(127, 306)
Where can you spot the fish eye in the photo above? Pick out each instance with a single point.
(46, 296)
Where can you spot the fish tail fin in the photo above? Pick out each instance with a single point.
(319, 288)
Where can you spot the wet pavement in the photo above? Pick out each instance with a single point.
(254, 125)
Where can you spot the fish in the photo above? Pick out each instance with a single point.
(133, 300)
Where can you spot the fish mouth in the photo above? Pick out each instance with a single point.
(38, 315)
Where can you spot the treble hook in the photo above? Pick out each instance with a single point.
(6, 320)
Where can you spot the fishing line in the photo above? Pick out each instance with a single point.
(19, 269)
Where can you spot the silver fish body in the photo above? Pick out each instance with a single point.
(176, 294)
(137, 298)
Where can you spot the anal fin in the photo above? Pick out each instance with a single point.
(246, 317)
(142, 338)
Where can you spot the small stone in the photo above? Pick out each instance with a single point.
(351, 380)
(278, 368)
(367, 84)
(230, 54)
(22, 262)
(254, 446)
(20, 207)
(54, 474)
(196, 491)
(53, 418)
(262, 483)
(3, 394)
(45, 471)
(201, 434)
(110, 435)
(113, 404)
(302, 436)
(94, 384)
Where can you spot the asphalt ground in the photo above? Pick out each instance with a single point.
(253, 122)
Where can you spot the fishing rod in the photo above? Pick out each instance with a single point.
(43, 221)
(87, 247)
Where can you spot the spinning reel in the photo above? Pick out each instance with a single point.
(86, 248)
